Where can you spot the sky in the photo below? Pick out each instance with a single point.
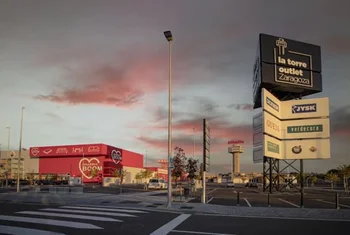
(97, 72)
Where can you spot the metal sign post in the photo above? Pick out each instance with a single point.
(206, 155)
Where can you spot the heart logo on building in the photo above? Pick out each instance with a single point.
(116, 156)
(35, 151)
(86, 165)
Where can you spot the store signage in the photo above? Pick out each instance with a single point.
(272, 126)
(304, 108)
(272, 147)
(295, 149)
(87, 165)
(305, 128)
(271, 104)
(69, 150)
(116, 156)
(292, 67)
(235, 142)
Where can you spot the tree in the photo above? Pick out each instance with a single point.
(191, 168)
(146, 174)
(119, 173)
(344, 173)
(333, 178)
(93, 174)
(179, 163)
(313, 180)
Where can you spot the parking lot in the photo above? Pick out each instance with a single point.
(254, 197)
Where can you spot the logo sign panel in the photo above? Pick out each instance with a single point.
(271, 104)
(306, 129)
(272, 126)
(87, 165)
(307, 149)
(308, 108)
(272, 147)
(116, 156)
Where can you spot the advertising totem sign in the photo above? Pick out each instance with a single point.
(288, 128)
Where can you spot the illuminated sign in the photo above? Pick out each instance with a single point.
(87, 165)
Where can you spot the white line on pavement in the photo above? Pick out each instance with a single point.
(96, 218)
(166, 228)
(103, 209)
(88, 212)
(52, 222)
(320, 200)
(25, 231)
(195, 232)
(245, 199)
(210, 199)
(290, 203)
(212, 190)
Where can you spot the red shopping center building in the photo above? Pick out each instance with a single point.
(80, 160)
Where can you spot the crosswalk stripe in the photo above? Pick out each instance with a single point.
(52, 222)
(99, 218)
(88, 212)
(25, 231)
(104, 209)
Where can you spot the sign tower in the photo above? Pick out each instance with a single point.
(288, 128)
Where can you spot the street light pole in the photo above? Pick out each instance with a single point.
(8, 154)
(20, 149)
(168, 35)
(194, 142)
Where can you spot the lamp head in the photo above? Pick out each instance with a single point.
(168, 35)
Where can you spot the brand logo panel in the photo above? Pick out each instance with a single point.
(272, 104)
(304, 108)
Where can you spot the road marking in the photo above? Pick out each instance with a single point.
(210, 199)
(88, 212)
(52, 222)
(166, 228)
(96, 218)
(27, 231)
(212, 190)
(103, 209)
(290, 203)
(245, 199)
(234, 191)
(195, 232)
(321, 200)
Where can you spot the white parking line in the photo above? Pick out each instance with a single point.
(166, 228)
(210, 199)
(87, 217)
(212, 190)
(52, 222)
(245, 199)
(103, 209)
(195, 232)
(290, 203)
(320, 200)
(88, 212)
(28, 231)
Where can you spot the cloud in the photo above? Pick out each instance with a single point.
(54, 116)
(340, 124)
(245, 107)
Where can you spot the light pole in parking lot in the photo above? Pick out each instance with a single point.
(169, 37)
(20, 148)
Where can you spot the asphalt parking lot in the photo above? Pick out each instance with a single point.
(253, 197)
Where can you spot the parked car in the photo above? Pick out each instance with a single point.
(230, 185)
(251, 185)
(157, 184)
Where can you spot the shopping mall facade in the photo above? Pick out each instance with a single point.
(91, 162)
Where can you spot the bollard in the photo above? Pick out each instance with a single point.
(237, 198)
(268, 200)
(302, 200)
(337, 201)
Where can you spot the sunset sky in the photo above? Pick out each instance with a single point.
(97, 71)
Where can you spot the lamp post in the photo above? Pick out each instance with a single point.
(194, 142)
(169, 37)
(20, 149)
(8, 153)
